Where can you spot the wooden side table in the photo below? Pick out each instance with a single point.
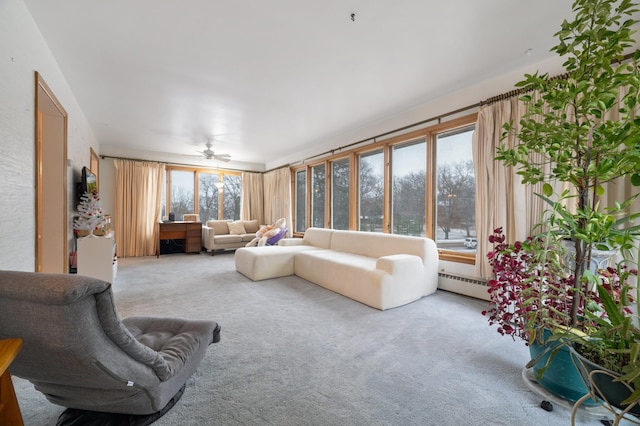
(9, 408)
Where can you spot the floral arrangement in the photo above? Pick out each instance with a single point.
(90, 213)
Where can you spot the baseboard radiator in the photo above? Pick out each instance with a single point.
(469, 286)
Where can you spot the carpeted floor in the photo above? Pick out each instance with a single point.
(293, 353)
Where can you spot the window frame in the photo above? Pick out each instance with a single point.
(429, 133)
(196, 190)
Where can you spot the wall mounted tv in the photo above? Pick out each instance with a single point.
(89, 182)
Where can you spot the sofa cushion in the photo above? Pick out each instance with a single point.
(220, 227)
(227, 239)
(318, 237)
(266, 262)
(376, 244)
(248, 237)
(236, 228)
(251, 226)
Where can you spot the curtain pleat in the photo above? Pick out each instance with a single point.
(138, 206)
(501, 199)
(252, 197)
(277, 196)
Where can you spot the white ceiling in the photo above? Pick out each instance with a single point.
(268, 78)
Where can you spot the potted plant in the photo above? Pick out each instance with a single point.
(609, 358)
(531, 297)
(580, 132)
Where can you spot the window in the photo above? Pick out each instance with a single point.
(318, 182)
(197, 191)
(340, 194)
(232, 196)
(420, 183)
(409, 173)
(208, 196)
(301, 200)
(455, 191)
(182, 201)
(371, 191)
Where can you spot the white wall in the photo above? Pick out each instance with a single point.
(22, 52)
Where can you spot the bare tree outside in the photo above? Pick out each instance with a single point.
(208, 196)
(456, 198)
(318, 185)
(232, 197)
(181, 193)
(455, 191)
(301, 200)
(409, 188)
(371, 192)
(340, 194)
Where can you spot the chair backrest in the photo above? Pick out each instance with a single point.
(72, 335)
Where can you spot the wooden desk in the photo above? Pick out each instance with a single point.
(190, 232)
(9, 408)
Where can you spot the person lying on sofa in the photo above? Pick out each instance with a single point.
(267, 231)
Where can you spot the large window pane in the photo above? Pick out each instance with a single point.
(455, 189)
(232, 195)
(409, 169)
(208, 196)
(301, 200)
(340, 194)
(182, 201)
(318, 184)
(371, 191)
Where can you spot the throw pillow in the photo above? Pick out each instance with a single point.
(220, 227)
(251, 226)
(236, 227)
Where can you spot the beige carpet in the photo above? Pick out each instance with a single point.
(293, 353)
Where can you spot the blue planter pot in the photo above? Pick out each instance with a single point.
(561, 377)
(605, 384)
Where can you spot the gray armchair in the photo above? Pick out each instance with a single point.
(78, 353)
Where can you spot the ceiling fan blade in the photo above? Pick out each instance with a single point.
(223, 157)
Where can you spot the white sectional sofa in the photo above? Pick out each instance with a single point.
(380, 270)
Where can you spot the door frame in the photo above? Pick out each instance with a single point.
(46, 103)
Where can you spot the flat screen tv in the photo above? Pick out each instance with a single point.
(89, 182)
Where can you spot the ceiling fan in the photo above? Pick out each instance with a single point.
(209, 154)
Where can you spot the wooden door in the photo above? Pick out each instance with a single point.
(52, 254)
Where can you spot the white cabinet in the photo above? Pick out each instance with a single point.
(97, 257)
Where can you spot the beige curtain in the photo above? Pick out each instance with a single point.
(277, 196)
(501, 199)
(138, 206)
(252, 197)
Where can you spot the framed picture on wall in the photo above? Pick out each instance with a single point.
(94, 165)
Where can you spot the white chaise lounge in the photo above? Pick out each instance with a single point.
(380, 270)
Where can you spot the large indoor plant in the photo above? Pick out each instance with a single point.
(580, 132)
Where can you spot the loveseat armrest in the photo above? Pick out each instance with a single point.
(208, 234)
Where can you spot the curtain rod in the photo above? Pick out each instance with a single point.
(168, 164)
(399, 129)
(521, 91)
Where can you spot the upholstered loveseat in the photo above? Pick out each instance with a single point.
(380, 270)
(227, 234)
